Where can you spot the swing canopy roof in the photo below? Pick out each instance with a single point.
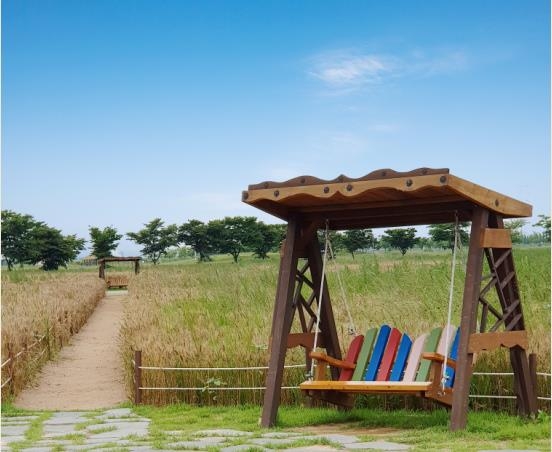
(382, 198)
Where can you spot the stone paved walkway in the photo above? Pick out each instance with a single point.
(121, 430)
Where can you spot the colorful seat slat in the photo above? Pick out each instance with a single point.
(377, 354)
(351, 357)
(449, 372)
(429, 347)
(414, 359)
(400, 360)
(389, 355)
(365, 353)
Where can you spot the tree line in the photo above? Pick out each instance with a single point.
(28, 241)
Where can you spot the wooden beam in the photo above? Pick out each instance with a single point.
(490, 341)
(304, 340)
(281, 324)
(472, 285)
(495, 238)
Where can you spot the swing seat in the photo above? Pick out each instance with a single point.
(386, 361)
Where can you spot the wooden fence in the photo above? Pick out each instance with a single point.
(139, 389)
(8, 367)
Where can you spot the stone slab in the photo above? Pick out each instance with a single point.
(280, 434)
(275, 441)
(38, 449)
(59, 430)
(203, 443)
(14, 430)
(243, 447)
(220, 432)
(66, 418)
(117, 413)
(122, 430)
(314, 448)
(377, 445)
(340, 439)
(18, 419)
(12, 439)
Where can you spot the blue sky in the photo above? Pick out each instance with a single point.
(117, 112)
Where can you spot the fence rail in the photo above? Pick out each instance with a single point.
(138, 388)
(12, 358)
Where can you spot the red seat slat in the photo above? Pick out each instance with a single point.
(389, 355)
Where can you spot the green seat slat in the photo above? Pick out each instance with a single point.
(430, 346)
(365, 353)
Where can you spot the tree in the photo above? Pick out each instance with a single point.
(28, 241)
(17, 232)
(443, 234)
(515, 227)
(402, 239)
(335, 240)
(357, 239)
(268, 239)
(234, 234)
(104, 241)
(195, 234)
(155, 238)
(544, 223)
(53, 249)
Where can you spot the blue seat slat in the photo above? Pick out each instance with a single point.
(400, 359)
(454, 355)
(377, 354)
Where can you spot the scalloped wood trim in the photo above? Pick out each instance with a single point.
(491, 341)
(385, 173)
(421, 187)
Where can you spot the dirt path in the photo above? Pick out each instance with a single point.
(87, 374)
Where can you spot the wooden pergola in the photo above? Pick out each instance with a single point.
(118, 282)
(386, 198)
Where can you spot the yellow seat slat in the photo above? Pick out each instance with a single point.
(367, 386)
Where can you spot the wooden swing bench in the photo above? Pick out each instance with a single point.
(381, 199)
(389, 362)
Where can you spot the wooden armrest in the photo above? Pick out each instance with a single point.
(319, 356)
(437, 357)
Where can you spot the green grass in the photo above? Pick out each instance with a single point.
(426, 430)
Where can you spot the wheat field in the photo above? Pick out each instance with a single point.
(40, 312)
(219, 314)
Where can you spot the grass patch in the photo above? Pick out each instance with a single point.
(108, 428)
(77, 438)
(84, 425)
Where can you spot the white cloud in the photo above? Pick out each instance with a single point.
(345, 71)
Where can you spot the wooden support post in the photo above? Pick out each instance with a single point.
(281, 323)
(137, 377)
(533, 369)
(136, 267)
(472, 286)
(525, 390)
(11, 369)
